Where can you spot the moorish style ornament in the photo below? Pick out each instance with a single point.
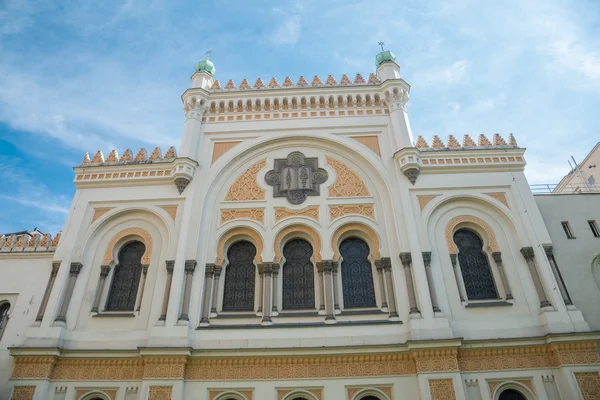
(296, 177)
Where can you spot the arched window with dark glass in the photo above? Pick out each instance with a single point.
(298, 280)
(126, 278)
(474, 266)
(369, 398)
(238, 293)
(357, 274)
(4, 308)
(511, 394)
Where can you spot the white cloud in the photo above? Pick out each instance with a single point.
(287, 32)
(447, 75)
(576, 58)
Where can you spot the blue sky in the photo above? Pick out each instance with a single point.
(80, 76)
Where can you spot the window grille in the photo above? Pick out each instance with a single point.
(240, 277)
(475, 267)
(298, 280)
(357, 274)
(126, 278)
(4, 307)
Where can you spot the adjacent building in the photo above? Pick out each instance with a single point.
(300, 245)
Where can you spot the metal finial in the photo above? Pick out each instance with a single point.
(381, 44)
(208, 54)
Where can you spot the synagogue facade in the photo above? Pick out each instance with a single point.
(300, 245)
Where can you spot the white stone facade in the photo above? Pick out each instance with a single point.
(400, 196)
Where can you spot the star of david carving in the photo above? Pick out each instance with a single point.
(296, 177)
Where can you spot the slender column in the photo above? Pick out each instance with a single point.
(73, 273)
(274, 310)
(406, 259)
(190, 266)
(165, 304)
(432, 294)
(261, 283)
(529, 255)
(459, 280)
(336, 290)
(142, 285)
(328, 267)
(379, 267)
(49, 286)
(321, 288)
(557, 275)
(215, 292)
(104, 270)
(268, 277)
(497, 256)
(209, 269)
(387, 270)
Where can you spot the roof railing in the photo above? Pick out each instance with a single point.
(571, 188)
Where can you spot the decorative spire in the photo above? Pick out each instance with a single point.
(273, 83)
(113, 156)
(316, 81)
(244, 84)
(437, 143)
(156, 154)
(421, 143)
(259, 84)
(287, 82)
(468, 142)
(127, 156)
(171, 153)
(483, 141)
(345, 80)
(373, 79)
(141, 156)
(330, 81)
(302, 82)
(86, 158)
(381, 44)
(216, 85)
(98, 158)
(359, 79)
(230, 85)
(498, 140)
(452, 142)
(512, 141)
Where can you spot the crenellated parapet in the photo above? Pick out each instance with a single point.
(127, 158)
(301, 83)
(468, 143)
(28, 241)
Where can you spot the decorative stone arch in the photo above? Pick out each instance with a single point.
(526, 391)
(466, 220)
(360, 393)
(355, 229)
(298, 231)
(95, 394)
(139, 234)
(596, 269)
(239, 233)
(301, 393)
(230, 394)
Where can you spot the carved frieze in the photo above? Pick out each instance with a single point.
(347, 183)
(256, 214)
(246, 187)
(353, 209)
(284, 212)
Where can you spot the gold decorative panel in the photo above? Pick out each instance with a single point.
(172, 210)
(282, 393)
(436, 360)
(98, 369)
(98, 212)
(425, 199)
(214, 393)
(589, 384)
(442, 389)
(221, 148)
(315, 240)
(246, 187)
(131, 231)
(501, 197)
(33, 367)
(256, 214)
(160, 393)
(164, 367)
(347, 183)
(23, 393)
(355, 209)
(474, 220)
(372, 142)
(248, 233)
(284, 212)
(373, 239)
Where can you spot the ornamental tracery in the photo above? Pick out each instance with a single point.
(296, 177)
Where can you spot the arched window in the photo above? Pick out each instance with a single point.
(474, 266)
(357, 274)
(126, 278)
(238, 293)
(511, 394)
(298, 276)
(369, 398)
(4, 307)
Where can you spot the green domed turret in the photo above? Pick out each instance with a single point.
(205, 66)
(384, 56)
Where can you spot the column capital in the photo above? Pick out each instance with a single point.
(384, 263)
(75, 269)
(55, 268)
(209, 270)
(320, 267)
(329, 266)
(528, 253)
(145, 269)
(267, 268)
(453, 259)
(427, 258)
(104, 270)
(170, 266)
(276, 268)
(406, 259)
(218, 270)
(190, 266)
(548, 248)
(497, 256)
